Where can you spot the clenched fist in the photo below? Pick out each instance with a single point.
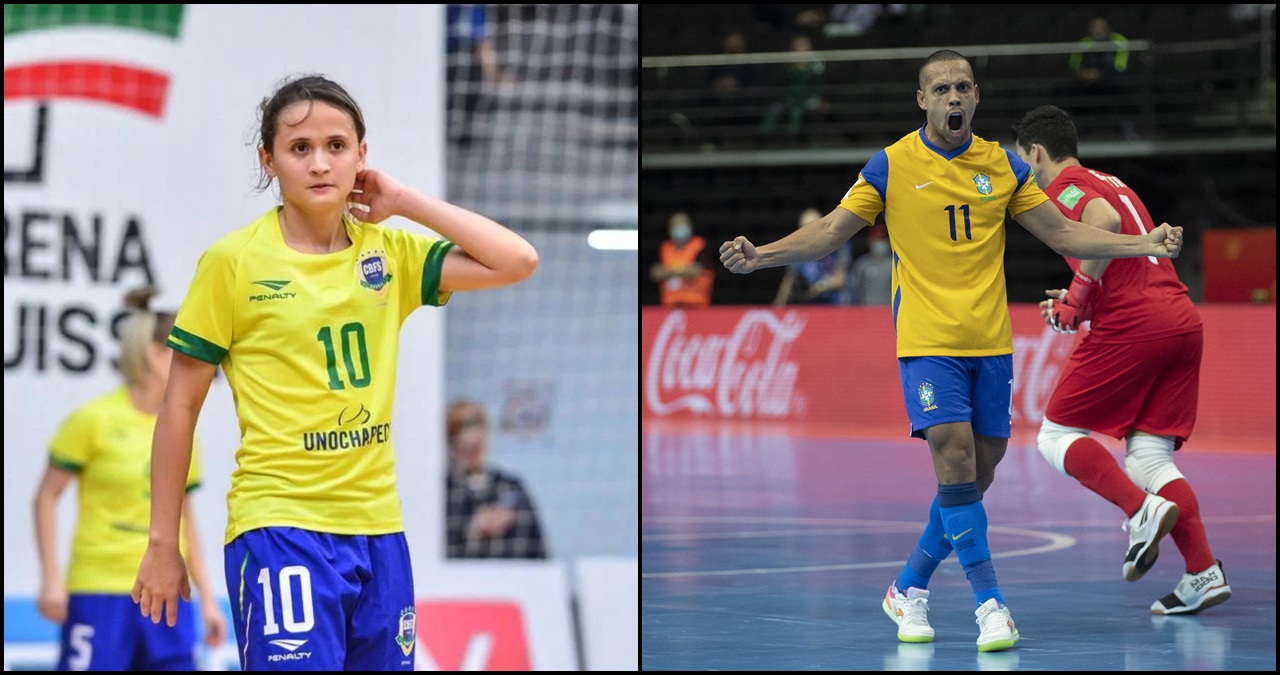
(1166, 241)
(739, 256)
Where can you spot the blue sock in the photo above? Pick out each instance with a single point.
(966, 525)
(932, 549)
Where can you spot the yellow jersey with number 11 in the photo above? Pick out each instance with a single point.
(309, 345)
(945, 213)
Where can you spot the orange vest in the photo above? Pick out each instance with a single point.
(685, 291)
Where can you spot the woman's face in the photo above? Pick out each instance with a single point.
(315, 155)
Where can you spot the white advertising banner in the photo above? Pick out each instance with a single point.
(127, 151)
(609, 612)
(495, 615)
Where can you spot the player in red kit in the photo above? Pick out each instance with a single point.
(1135, 376)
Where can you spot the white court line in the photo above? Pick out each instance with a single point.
(1056, 542)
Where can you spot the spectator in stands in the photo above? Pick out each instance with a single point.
(817, 282)
(489, 512)
(853, 20)
(1101, 69)
(683, 270)
(803, 93)
(473, 66)
(732, 76)
(872, 273)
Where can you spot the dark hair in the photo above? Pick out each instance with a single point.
(940, 55)
(1051, 127)
(309, 88)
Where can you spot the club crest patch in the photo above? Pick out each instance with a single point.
(408, 629)
(926, 396)
(373, 271)
(983, 182)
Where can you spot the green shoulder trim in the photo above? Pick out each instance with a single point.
(195, 346)
(431, 270)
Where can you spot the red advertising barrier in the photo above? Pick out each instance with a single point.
(836, 367)
(1239, 265)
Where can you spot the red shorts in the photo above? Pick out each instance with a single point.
(1114, 388)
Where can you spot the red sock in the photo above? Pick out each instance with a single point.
(1188, 534)
(1090, 463)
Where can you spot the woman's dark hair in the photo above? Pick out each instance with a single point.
(309, 88)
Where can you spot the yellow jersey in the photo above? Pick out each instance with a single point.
(308, 343)
(107, 443)
(945, 214)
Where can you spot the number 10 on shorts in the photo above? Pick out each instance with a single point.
(297, 614)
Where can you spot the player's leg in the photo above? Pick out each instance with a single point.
(936, 392)
(382, 631)
(992, 395)
(988, 451)
(1165, 422)
(165, 648)
(289, 589)
(100, 633)
(1104, 389)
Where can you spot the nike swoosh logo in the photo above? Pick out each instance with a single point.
(957, 537)
(922, 185)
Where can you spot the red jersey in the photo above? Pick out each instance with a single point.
(1139, 298)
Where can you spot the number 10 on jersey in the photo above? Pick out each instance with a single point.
(347, 335)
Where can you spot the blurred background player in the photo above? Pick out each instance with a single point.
(490, 513)
(106, 444)
(954, 340)
(820, 282)
(683, 270)
(1134, 377)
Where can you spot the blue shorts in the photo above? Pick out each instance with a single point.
(108, 632)
(973, 389)
(303, 600)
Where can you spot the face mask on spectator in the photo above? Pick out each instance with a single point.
(681, 232)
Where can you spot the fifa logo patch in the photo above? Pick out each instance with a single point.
(373, 270)
(926, 396)
(983, 182)
(405, 637)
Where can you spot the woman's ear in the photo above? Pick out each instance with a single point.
(266, 160)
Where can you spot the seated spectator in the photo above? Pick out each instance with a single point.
(872, 273)
(489, 513)
(803, 92)
(820, 282)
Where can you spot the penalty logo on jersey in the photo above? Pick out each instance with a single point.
(405, 637)
(374, 271)
(926, 396)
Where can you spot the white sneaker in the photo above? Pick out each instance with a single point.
(910, 612)
(1155, 519)
(998, 631)
(1195, 592)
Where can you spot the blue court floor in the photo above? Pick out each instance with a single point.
(769, 552)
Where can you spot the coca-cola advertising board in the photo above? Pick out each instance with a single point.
(838, 365)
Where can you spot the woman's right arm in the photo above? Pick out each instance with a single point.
(52, 601)
(162, 576)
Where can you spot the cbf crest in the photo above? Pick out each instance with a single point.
(926, 396)
(983, 182)
(408, 629)
(373, 270)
